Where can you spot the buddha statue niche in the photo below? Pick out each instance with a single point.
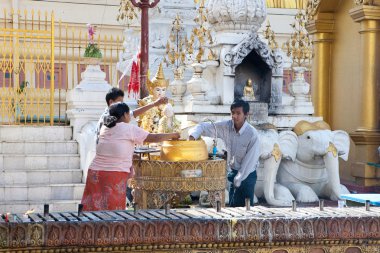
(249, 92)
(157, 89)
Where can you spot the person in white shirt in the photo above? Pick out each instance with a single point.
(243, 151)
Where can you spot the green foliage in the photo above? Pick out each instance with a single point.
(93, 51)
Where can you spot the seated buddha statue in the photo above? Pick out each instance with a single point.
(168, 123)
(249, 92)
(157, 89)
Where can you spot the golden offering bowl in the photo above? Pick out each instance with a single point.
(183, 150)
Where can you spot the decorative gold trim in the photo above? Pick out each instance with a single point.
(332, 149)
(366, 138)
(312, 8)
(304, 126)
(297, 247)
(276, 152)
(364, 2)
(363, 12)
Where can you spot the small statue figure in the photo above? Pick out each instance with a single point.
(168, 123)
(157, 88)
(249, 92)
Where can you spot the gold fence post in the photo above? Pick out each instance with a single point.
(52, 72)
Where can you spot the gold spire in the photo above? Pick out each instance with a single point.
(159, 80)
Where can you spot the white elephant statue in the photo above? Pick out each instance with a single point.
(274, 147)
(315, 171)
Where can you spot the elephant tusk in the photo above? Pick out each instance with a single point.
(276, 152)
(332, 149)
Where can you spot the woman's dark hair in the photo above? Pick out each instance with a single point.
(240, 103)
(116, 111)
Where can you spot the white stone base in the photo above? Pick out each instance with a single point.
(289, 121)
(305, 108)
(201, 107)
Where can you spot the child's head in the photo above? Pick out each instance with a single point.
(118, 112)
(114, 95)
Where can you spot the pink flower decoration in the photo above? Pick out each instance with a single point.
(91, 33)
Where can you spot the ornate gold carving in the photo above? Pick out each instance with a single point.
(36, 235)
(270, 36)
(276, 152)
(176, 46)
(70, 236)
(364, 2)
(332, 149)
(119, 235)
(3, 237)
(312, 8)
(200, 38)
(127, 12)
(288, 4)
(299, 46)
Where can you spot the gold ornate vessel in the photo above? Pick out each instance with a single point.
(158, 182)
(183, 150)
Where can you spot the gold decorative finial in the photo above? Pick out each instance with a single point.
(176, 47)
(299, 46)
(270, 36)
(159, 80)
(127, 12)
(200, 38)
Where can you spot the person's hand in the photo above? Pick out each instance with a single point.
(176, 136)
(132, 172)
(237, 180)
(191, 138)
(161, 101)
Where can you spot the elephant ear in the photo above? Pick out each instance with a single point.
(288, 141)
(268, 138)
(341, 140)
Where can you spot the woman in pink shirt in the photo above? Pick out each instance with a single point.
(108, 173)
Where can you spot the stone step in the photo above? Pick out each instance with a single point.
(39, 162)
(39, 147)
(41, 192)
(35, 133)
(10, 177)
(38, 206)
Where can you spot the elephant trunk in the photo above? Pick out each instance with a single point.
(270, 171)
(332, 168)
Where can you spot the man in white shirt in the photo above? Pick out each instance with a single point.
(243, 147)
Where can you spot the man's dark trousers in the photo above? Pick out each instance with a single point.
(238, 195)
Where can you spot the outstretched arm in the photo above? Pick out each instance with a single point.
(145, 108)
(161, 137)
(208, 129)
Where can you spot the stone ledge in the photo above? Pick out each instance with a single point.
(193, 228)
